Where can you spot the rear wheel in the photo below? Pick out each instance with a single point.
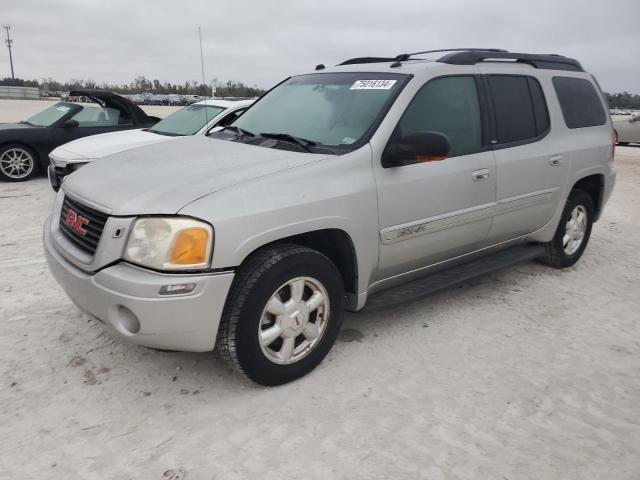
(17, 163)
(282, 315)
(573, 232)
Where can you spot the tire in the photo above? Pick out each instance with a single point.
(262, 299)
(17, 162)
(560, 253)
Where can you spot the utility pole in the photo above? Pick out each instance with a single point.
(8, 41)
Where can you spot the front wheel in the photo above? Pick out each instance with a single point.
(573, 232)
(17, 163)
(282, 315)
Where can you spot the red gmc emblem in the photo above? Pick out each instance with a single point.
(76, 222)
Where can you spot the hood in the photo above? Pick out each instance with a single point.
(98, 146)
(163, 178)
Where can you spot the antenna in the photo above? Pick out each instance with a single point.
(8, 41)
(206, 109)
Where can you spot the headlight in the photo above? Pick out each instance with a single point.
(170, 243)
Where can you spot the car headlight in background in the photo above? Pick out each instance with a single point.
(170, 243)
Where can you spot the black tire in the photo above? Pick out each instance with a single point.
(555, 254)
(5, 174)
(257, 279)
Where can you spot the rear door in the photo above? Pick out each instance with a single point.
(433, 210)
(531, 160)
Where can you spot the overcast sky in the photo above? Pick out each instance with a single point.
(262, 41)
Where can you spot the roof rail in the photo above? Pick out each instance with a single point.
(359, 60)
(548, 61)
(471, 56)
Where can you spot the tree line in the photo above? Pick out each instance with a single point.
(226, 88)
(141, 84)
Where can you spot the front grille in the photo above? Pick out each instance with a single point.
(93, 227)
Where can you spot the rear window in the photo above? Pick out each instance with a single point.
(519, 106)
(580, 102)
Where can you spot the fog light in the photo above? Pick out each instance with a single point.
(179, 289)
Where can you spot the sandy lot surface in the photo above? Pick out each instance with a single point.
(531, 373)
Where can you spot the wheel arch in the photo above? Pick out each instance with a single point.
(335, 243)
(594, 186)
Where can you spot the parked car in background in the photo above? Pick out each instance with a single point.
(194, 119)
(25, 146)
(332, 191)
(627, 129)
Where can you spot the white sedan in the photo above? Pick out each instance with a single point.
(195, 119)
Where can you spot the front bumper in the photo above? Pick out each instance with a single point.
(126, 300)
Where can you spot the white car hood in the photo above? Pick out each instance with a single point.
(162, 179)
(104, 144)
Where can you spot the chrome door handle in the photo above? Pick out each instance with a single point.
(480, 175)
(555, 160)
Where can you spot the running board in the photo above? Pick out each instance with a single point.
(434, 282)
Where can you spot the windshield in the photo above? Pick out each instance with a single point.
(51, 115)
(334, 110)
(187, 120)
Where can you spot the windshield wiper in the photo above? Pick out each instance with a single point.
(28, 123)
(240, 132)
(285, 137)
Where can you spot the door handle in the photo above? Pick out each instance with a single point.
(480, 175)
(555, 160)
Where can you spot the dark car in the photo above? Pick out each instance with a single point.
(25, 146)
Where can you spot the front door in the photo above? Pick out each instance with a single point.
(434, 210)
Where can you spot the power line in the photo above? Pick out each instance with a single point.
(8, 41)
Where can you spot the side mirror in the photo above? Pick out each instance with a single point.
(415, 148)
(71, 123)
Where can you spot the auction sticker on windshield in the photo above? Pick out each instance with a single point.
(372, 84)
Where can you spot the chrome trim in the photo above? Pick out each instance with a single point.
(406, 231)
(526, 200)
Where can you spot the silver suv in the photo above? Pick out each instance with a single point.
(371, 183)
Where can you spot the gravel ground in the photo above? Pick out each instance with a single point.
(531, 373)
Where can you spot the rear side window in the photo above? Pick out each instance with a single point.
(580, 103)
(447, 105)
(519, 107)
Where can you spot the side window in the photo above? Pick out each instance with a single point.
(580, 103)
(519, 107)
(230, 118)
(97, 117)
(447, 105)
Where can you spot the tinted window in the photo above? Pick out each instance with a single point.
(519, 107)
(447, 105)
(539, 106)
(580, 102)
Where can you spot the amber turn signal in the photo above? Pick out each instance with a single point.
(190, 247)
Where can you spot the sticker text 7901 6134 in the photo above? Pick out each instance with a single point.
(372, 84)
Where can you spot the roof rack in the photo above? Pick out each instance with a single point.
(548, 61)
(471, 56)
(360, 60)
